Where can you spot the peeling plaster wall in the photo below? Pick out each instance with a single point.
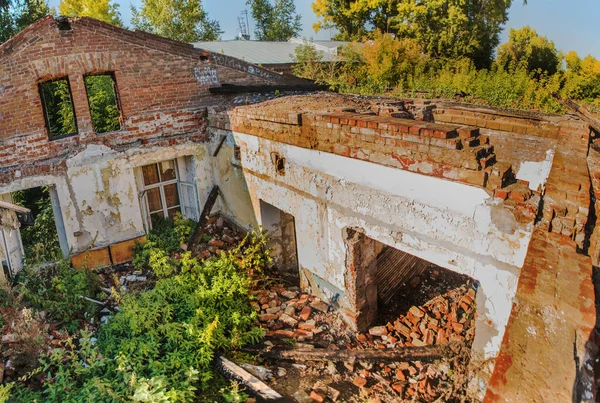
(99, 196)
(450, 224)
(536, 172)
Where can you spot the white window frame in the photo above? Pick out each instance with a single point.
(160, 185)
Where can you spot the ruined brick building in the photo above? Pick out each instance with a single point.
(505, 197)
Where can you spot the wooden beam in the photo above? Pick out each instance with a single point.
(428, 353)
(221, 141)
(237, 89)
(210, 202)
(580, 111)
(255, 385)
(14, 207)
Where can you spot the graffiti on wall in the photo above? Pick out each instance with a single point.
(206, 76)
(240, 65)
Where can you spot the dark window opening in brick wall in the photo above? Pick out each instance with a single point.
(103, 100)
(59, 112)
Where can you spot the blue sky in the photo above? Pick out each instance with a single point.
(571, 24)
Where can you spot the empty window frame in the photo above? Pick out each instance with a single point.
(161, 189)
(59, 112)
(103, 100)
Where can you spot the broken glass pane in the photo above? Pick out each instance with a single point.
(150, 174)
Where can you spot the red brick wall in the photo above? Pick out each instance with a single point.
(157, 79)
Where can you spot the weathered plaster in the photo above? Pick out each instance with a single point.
(416, 214)
(536, 172)
(99, 196)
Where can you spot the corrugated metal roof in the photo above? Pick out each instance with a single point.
(263, 52)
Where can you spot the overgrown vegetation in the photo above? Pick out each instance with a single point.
(160, 345)
(57, 290)
(17, 14)
(527, 70)
(40, 241)
(58, 107)
(102, 98)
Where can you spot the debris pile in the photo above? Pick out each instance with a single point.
(297, 319)
(289, 314)
(447, 318)
(217, 236)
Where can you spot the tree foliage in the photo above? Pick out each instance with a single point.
(389, 65)
(58, 107)
(445, 28)
(528, 49)
(102, 99)
(343, 15)
(181, 20)
(17, 14)
(308, 61)
(40, 240)
(275, 22)
(103, 10)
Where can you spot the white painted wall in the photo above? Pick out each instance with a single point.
(99, 196)
(453, 225)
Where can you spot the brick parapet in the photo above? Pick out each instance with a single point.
(451, 152)
(550, 339)
(507, 121)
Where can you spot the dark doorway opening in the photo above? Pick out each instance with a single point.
(408, 298)
(282, 232)
(41, 241)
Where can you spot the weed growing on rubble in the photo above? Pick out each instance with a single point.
(160, 346)
(165, 238)
(57, 290)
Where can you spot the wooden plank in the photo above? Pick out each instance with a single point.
(427, 353)
(210, 202)
(255, 385)
(14, 207)
(221, 141)
(122, 252)
(92, 259)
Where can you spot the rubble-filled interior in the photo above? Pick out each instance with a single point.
(425, 306)
(447, 247)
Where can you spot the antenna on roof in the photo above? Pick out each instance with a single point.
(244, 26)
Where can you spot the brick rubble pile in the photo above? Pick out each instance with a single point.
(287, 313)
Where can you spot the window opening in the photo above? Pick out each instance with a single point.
(103, 101)
(59, 112)
(161, 188)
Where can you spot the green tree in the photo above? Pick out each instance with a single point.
(17, 14)
(528, 49)
(103, 10)
(454, 28)
(343, 15)
(275, 22)
(181, 20)
(308, 61)
(445, 28)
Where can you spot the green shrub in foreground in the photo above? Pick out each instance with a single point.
(159, 348)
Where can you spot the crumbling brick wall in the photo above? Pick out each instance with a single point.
(163, 86)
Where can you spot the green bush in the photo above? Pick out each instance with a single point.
(166, 236)
(57, 290)
(160, 346)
